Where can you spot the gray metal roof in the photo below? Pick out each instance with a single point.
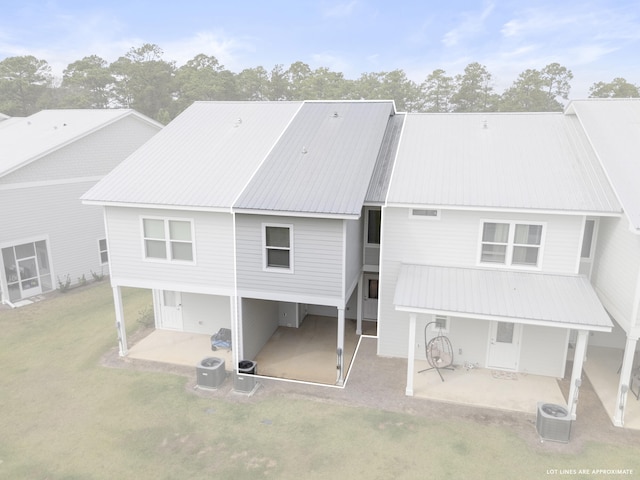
(323, 162)
(25, 139)
(613, 127)
(520, 297)
(203, 158)
(379, 184)
(499, 160)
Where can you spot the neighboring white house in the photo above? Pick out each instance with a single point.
(613, 129)
(241, 213)
(47, 160)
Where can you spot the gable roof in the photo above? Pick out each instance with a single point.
(25, 139)
(613, 128)
(323, 162)
(532, 161)
(202, 159)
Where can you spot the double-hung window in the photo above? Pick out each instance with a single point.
(104, 253)
(511, 243)
(168, 239)
(278, 247)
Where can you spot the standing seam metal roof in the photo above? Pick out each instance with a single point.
(613, 127)
(499, 160)
(25, 139)
(203, 158)
(324, 161)
(512, 295)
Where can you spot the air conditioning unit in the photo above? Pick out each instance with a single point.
(553, 422)
(211, 372)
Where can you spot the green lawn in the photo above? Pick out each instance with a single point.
(63, 416)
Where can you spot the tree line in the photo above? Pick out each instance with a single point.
(141, 79)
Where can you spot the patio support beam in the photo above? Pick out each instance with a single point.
(120, 327)
(625, 377)
(359, 306)
(576, 373)
(340, 350)
(411, 354)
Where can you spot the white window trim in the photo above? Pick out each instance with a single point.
(167, 240)
(434, 326)
(265, 266)
(510, 244)
(100, 252)
(425, 217)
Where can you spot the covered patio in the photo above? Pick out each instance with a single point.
(483, 387)
(602, 368)
(306, 354)
(543, 300)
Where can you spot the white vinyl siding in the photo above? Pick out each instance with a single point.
(551, 359)
(213, 249)
(454, 241)
(56, 213)
(353, 250)
(616, 266)
(317, 249)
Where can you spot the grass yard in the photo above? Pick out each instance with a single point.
(63, 416)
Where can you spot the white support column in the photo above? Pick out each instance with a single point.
(236, 330)
(360, 305)
(625, 378)
(340, 349)
(576, 373)
(120, 326)
(411, 354)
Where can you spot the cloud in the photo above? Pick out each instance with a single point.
(341, 10)
(228, 50)
(472, 24)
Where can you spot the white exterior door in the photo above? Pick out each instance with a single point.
(171, 310)
(370, 300)
(504, 345)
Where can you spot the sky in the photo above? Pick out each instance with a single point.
(597, 40)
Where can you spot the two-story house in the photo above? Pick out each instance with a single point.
(488, 227)
(47, 161)
(483, 232)
(241, 213)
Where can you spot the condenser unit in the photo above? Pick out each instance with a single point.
(553, 422)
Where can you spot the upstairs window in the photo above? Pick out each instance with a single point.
(168, 239)
(277, 247)
(511, 243)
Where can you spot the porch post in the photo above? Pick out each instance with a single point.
(625, 377)
(359, 306)
(236, 330)
(120, 327)
(576, 373)
(411, 355)
(340, 350)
